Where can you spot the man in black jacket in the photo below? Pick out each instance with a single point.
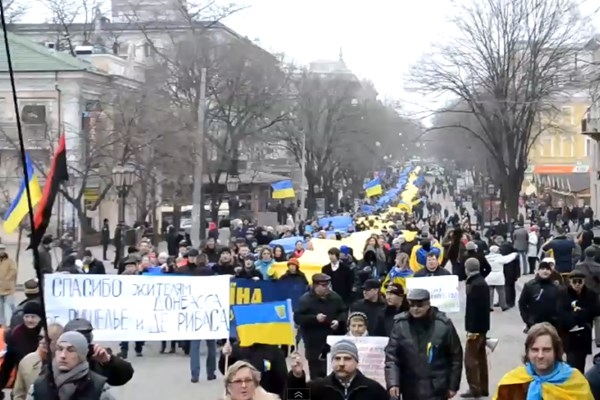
(424, 357)
(116, 370)
(540, 298)
(345, 378)
(320, 313)
(342, 277)
(372, 306)
(477, 324)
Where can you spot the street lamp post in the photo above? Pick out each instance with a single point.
(123, 177)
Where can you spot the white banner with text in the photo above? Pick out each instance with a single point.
(141, 308)
(442, 289)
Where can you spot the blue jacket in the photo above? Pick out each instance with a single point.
(562, 249)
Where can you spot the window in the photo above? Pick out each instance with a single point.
(566, 114)
(34, 114)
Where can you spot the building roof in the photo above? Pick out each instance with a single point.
(28, 56)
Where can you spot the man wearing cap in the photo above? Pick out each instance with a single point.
(346, 378)
(424, 356)
(580, 306)
(372, 306)
(321, 312)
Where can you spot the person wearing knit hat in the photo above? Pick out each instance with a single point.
(357, 324)
(293, 273)
(71, 374)
(346, 376)
(32, 314)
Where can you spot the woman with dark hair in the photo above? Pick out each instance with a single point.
(456, 253)
(279, 253)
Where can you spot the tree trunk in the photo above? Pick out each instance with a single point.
(511, 191)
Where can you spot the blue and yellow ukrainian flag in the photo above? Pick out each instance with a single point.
(373, 187)
(264, 323)
(19, 208)
(283, 189)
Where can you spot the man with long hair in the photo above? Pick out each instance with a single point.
(543, 374)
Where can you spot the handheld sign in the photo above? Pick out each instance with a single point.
(442, 289)
(141, 308)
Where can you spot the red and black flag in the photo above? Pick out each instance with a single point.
(56, 175)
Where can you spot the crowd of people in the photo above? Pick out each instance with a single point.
(352, 295)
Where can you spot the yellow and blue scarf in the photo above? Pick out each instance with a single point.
(564, 382)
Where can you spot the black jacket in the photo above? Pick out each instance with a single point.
(477, 314)
(96, 267)
(90, 387)
(374, 313)
(195, 270)
(389, 313)
(20, 341)
(330, 388)
(117, 371)
(583, 317)
(423, 272)
(484, 266)
(314, 333)
(297, 277)
(45, 260)
(342, 280)
(593, 377)
(269, 360)
(539, 302)
(407, 364)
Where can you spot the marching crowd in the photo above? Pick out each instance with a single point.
(353, 295)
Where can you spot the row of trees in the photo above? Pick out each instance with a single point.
(255, 102)
(508, 71)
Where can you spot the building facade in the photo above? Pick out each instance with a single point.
(57, 93)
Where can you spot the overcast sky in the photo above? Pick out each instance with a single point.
(379, 39)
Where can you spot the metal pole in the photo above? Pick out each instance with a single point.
(198, 164)
(303, 178)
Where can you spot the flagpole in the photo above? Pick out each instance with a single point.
(36, 254)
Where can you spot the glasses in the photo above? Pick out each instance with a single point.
(242, 382)
(577, 281)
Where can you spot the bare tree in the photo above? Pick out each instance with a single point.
(245, 89)
(513, 61)
(345, 137)
(14, 10)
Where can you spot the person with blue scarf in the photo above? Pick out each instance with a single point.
(543, 376)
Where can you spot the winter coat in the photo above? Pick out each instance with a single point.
(591, 269)
(588, 308)
(342, 280)
(374, 313)
(539, 302)
(264, 267)
(593, 377)
(497, 261)
(521, 240)
(314, 333)
(477, 313)
(8, 276)
(407, 364)
(533, 245)
(562, 250)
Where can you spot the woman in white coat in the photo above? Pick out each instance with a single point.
(495, 279)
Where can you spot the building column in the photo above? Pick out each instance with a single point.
(594, 182)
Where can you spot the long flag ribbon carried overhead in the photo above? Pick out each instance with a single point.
(19, 207)
(373, 187)
(56, 175)
(283, 189)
